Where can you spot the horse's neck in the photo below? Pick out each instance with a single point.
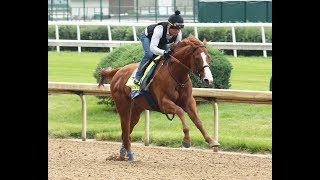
(184, 56)
(178, 70)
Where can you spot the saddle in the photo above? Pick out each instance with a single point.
(147, 76)
(146, 81)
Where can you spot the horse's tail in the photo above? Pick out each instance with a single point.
(106, 74)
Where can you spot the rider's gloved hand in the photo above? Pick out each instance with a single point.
(167, 53)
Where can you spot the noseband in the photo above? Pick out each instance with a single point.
(194, 49)
(197, 73)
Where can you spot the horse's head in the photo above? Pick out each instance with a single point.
(199, 58)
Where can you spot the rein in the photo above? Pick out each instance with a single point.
(180, 84)
(183, 65)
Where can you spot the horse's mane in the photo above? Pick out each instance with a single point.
(190, 40)
(193, 40)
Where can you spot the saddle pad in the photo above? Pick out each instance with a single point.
(144, 79)
(137, 90)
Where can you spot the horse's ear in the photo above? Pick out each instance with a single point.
(204, 41)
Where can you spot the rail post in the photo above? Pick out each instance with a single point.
(84, 117)
(215, 124)
(146, 127)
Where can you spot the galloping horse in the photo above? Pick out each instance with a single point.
(171, 88)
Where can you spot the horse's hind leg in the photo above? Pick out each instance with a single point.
(123, 105)
(128, 121)
(135, 116)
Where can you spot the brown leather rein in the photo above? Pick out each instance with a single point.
(183, 65)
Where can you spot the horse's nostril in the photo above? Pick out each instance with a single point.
(207, 82)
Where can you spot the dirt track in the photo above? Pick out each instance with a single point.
(75, 159)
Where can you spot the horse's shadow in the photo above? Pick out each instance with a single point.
(116, 157)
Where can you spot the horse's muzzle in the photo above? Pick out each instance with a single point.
(207, 82)
(206, 77)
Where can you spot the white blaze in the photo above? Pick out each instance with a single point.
(207, 72)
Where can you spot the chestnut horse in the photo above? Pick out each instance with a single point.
(171, 88)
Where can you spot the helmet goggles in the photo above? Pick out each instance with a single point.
(177, 25)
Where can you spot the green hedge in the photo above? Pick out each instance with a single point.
(124, 33)
(123, 55)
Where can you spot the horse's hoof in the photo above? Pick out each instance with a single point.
(122, 158)
(186, 144)
(130, 157)
(123, 152)
(214, 144)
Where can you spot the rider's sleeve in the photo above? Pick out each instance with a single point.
(179, 37)
(157, 34)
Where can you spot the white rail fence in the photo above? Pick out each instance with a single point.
(234, 45)
(200, 94)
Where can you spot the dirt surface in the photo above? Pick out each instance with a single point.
(76, 159)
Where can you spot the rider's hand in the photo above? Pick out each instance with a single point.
(167, 53)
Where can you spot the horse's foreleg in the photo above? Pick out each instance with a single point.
(192, 112)
(170, 107)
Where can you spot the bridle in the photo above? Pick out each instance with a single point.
(197, 73)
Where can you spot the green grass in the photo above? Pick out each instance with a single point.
(242, 127)
(73, 66)
(250, 73)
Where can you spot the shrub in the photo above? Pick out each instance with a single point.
(51, 35)
(123, 55)
(119, 57)
(220, 68)
(94, 33)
